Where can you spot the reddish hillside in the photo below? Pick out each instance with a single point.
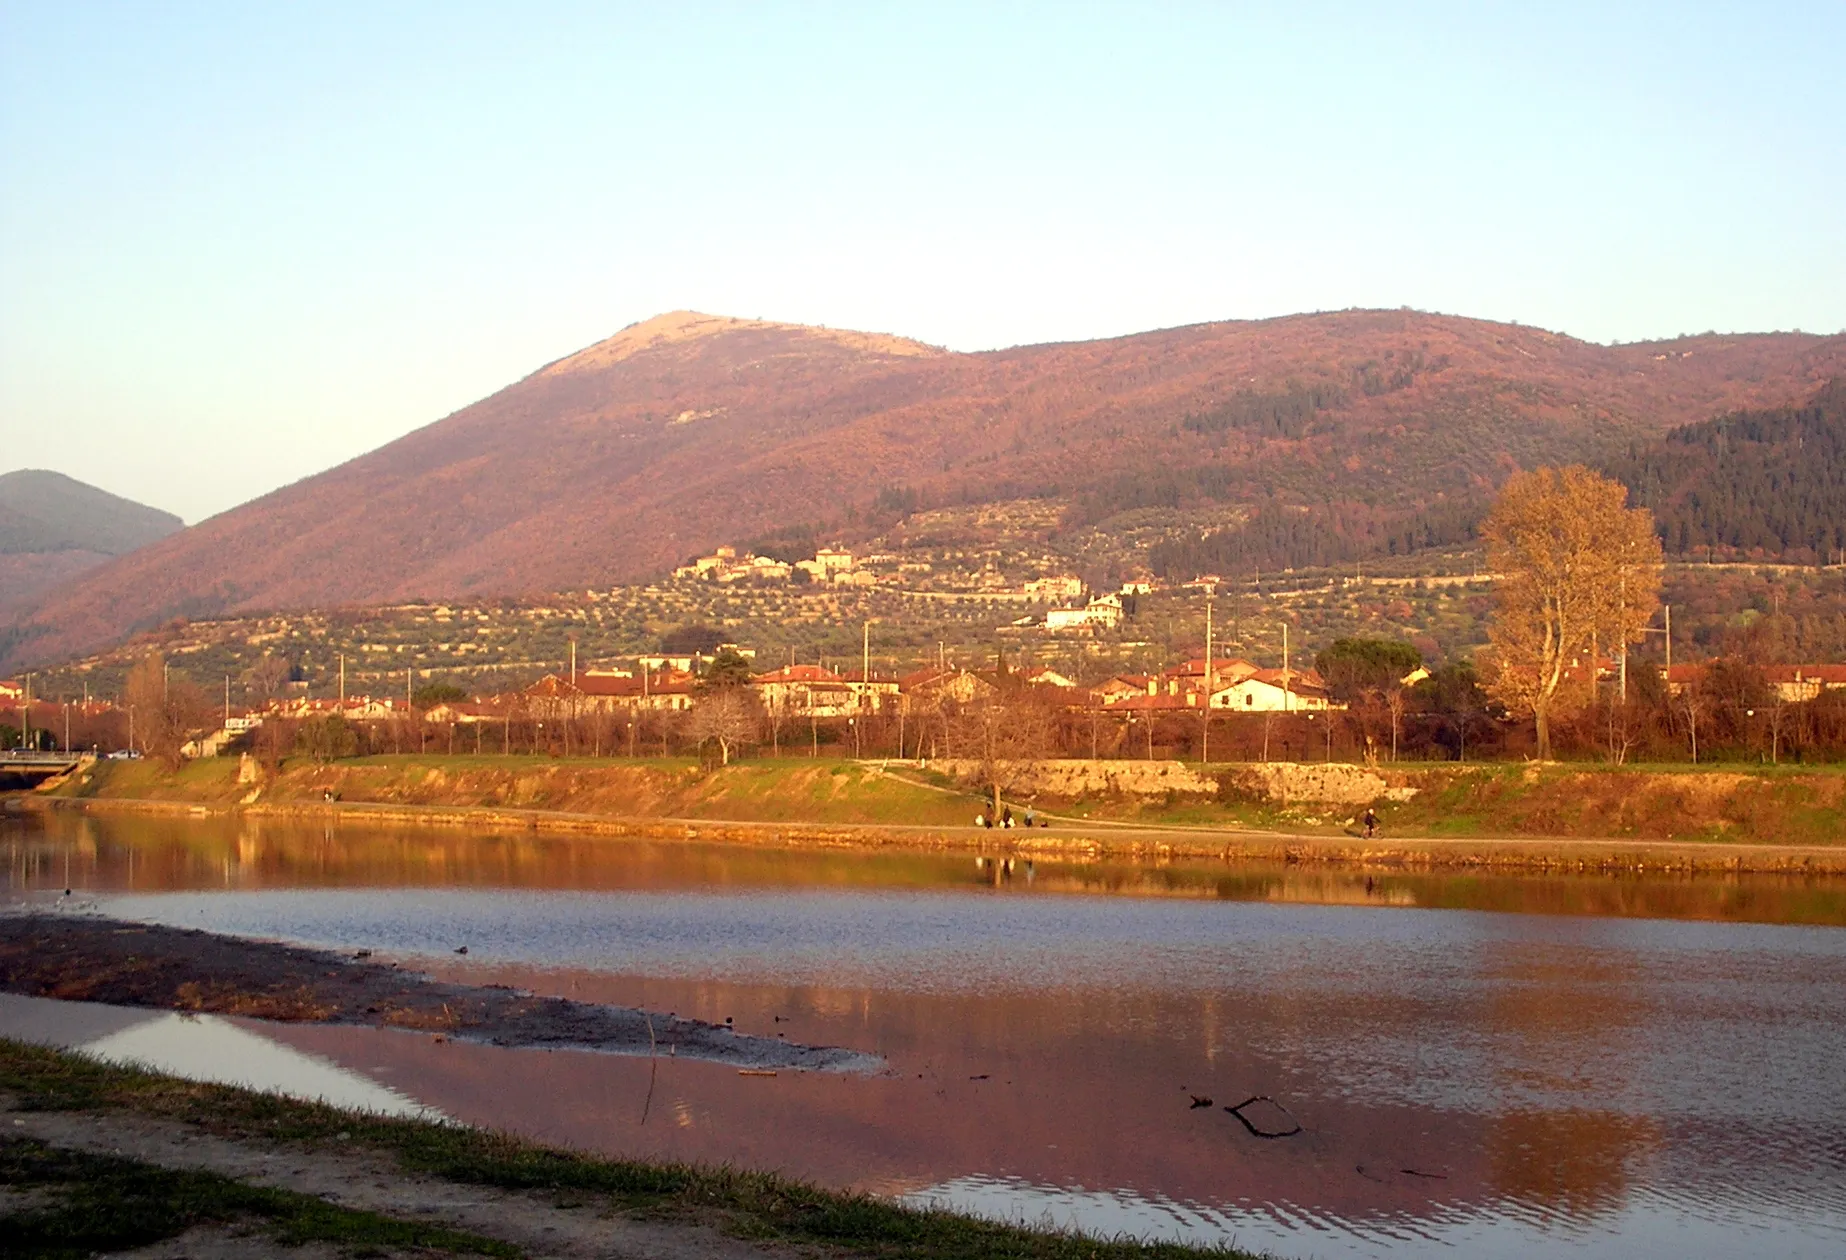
(687, 431)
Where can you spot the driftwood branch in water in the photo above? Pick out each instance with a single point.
(1264, 1133)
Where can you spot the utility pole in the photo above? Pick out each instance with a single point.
(865, 666)
(1621, 622)
(1667, 634)
(25, 717)
(1205, 738)
(1288, 693)
(227, 702)
(342, 682)
(573, 662)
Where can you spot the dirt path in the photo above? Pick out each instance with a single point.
(87, 957)
(541, 1224)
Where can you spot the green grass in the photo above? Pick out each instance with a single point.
(1585, 800)
(755, 1205)
(90, 1203)
(821, 791)
(206, 778)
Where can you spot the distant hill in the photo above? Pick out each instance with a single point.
(54, 527)
(43, 511)
(688, 431)
(1751, 484)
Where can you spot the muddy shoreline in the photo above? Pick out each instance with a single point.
(1064, 839)
(82, 956)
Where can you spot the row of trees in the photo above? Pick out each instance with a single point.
(1731, 714)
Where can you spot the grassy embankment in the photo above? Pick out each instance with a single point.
(1781, 805)
(98, 1202)
(789, 790)
(1682, 804)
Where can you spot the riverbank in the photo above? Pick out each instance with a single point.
(1545, 817)
(95, 1158)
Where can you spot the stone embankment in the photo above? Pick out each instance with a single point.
(1076, 780)
(1282, 783)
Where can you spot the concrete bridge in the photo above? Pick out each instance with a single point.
(21, 767)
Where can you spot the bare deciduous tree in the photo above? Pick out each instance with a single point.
(264, 680)
(1005, 733)
(167, 707)
(726, 715)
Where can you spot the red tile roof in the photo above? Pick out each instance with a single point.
(799, 674)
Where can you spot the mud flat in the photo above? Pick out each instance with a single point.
(89, 958)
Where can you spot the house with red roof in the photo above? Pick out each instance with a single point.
(814, 691)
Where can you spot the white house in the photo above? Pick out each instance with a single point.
(1104, 611)
(1273, 691)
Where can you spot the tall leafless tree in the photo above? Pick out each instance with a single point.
(726, 716)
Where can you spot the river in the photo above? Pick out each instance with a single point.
(1504, 1065)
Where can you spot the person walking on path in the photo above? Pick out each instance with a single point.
(1371, 822)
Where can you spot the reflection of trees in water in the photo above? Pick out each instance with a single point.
(1567, 1021)
(178, 853)
(1572, 1164)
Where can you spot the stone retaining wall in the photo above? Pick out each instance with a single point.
(1336, 783)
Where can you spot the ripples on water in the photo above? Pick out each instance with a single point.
(1511, 1065)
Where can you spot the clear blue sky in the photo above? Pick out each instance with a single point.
(240, 243)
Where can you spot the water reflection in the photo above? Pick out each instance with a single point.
(197, 1048)
(157, 853)
(1655, 1080)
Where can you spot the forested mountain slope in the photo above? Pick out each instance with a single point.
(1751, 484)
(688, 431)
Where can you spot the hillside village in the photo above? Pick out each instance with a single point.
(1072, 606)
(1046, 618)
(831, 632)
(1016, 595)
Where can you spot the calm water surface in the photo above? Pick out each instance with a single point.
(1578, 1066)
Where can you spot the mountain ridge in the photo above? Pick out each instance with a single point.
(54, 527)
(43, 510)
(689, 430)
